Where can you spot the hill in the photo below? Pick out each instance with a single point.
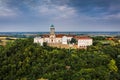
(24, 60)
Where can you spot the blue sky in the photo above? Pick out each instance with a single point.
(66, 15)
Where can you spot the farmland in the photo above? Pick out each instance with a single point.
(5, 39)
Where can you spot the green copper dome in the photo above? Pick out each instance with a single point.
(52, 25)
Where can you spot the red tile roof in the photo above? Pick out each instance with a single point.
(60, 35)
(82, 37)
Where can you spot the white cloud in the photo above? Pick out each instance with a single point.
(58, 11)
(106, 16)
(111, 13)
(55, 11)
(6, 11)
(113, 16)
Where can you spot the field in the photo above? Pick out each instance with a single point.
(4, 40)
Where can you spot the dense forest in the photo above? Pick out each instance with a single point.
(24, 60)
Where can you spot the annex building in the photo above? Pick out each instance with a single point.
(63, 40)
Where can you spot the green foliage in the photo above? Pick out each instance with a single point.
(73, 40)
(44, 44)
(99, 38)
(112, 66)
(24, 60)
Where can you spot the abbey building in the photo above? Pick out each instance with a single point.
(63, 39)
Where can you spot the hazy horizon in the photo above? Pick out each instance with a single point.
(58, 31)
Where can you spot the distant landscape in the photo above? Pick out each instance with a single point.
(10, 36)
(91, 33)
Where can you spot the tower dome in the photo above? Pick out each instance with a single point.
(52, 26)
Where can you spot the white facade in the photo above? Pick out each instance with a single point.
(69, 38)
(64, 40)
(84, 42)
(46, 40)
(39, 40)
(58, 40)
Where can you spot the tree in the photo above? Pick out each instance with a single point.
(44, 44)
(112, 66)
(73, 40)
(24, 60)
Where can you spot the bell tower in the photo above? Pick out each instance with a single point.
(52, 34)
(52, 30)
